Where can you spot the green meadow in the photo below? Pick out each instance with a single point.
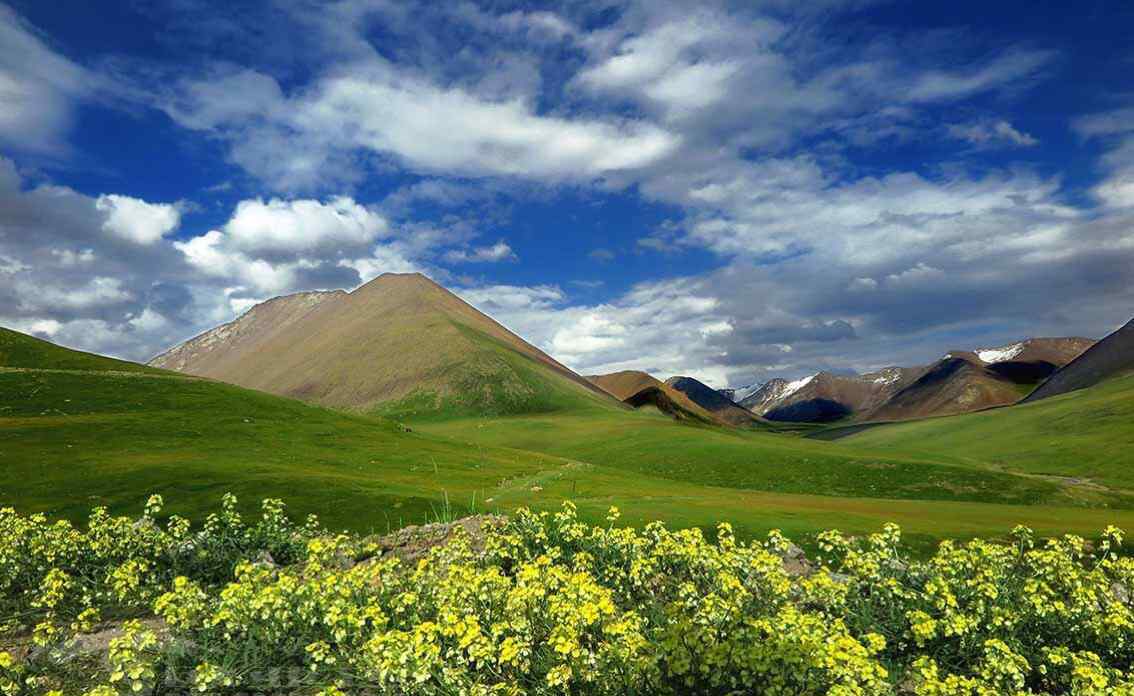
(1085, 435)
(88, 431)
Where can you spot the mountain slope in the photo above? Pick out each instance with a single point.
(1083, 436)
(639, 389)
(826, 397)
(21, 351)
(1110, 357)
(965, 381)
(957, 383)
(961, 381)
(712, 401)
(400, 344)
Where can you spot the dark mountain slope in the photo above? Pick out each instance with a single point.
(1111, 357)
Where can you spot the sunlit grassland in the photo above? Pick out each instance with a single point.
(71, 440)
(1087, 434)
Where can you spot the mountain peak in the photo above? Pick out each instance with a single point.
(399, 340)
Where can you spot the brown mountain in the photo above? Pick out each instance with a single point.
(400, 344)
(641, 390)
(961, 381)
(957, 383)
(968, 381)
(1110, 357)
(714, 402)
(826, 397)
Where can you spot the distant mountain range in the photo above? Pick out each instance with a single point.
(402, 344)
(960, 381)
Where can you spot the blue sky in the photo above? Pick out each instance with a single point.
(733, 191)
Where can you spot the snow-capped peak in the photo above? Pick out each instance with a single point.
(792, 387)
(1002, 354)
(742, 393)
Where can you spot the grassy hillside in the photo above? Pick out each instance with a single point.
(762, 461)
(19, 350)
(493, 379)
(1087, 434)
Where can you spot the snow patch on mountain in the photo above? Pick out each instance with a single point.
(1003, 354)
(792, 387)
(742, 393)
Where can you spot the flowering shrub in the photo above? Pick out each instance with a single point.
(552, 605)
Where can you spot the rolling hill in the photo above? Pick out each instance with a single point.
(722, 408)
(642, 391)
(20, 351)
(400, 344)
(1083, 435)
(1110, 357)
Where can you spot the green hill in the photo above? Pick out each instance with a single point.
(1085, 435)
(19, 351)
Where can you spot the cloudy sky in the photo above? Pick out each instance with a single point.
(733, 190)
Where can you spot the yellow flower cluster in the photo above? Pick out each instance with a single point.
(552, 605)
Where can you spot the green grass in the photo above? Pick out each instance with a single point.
(91, 431)
(495, 380)
(762, 461)
(19, 350)
(1088, 434)
(69, 441)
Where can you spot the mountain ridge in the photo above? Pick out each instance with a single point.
(958, 382)
(1112, 356)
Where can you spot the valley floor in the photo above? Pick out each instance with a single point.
(74, 439)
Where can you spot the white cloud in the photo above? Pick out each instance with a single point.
(538, 24)
(941, 85)
(279, 226)
(99, 291)
(990, 133)
(500, 251)
(921, 274)
(1116, 130)
(135, 220)
(38, 88)
(293, 142)
(682, 65)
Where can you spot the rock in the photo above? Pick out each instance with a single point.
(796, 563)
(412, 543)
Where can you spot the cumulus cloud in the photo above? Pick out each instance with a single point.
(136, 220)
(80, 272)
(279, 226)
